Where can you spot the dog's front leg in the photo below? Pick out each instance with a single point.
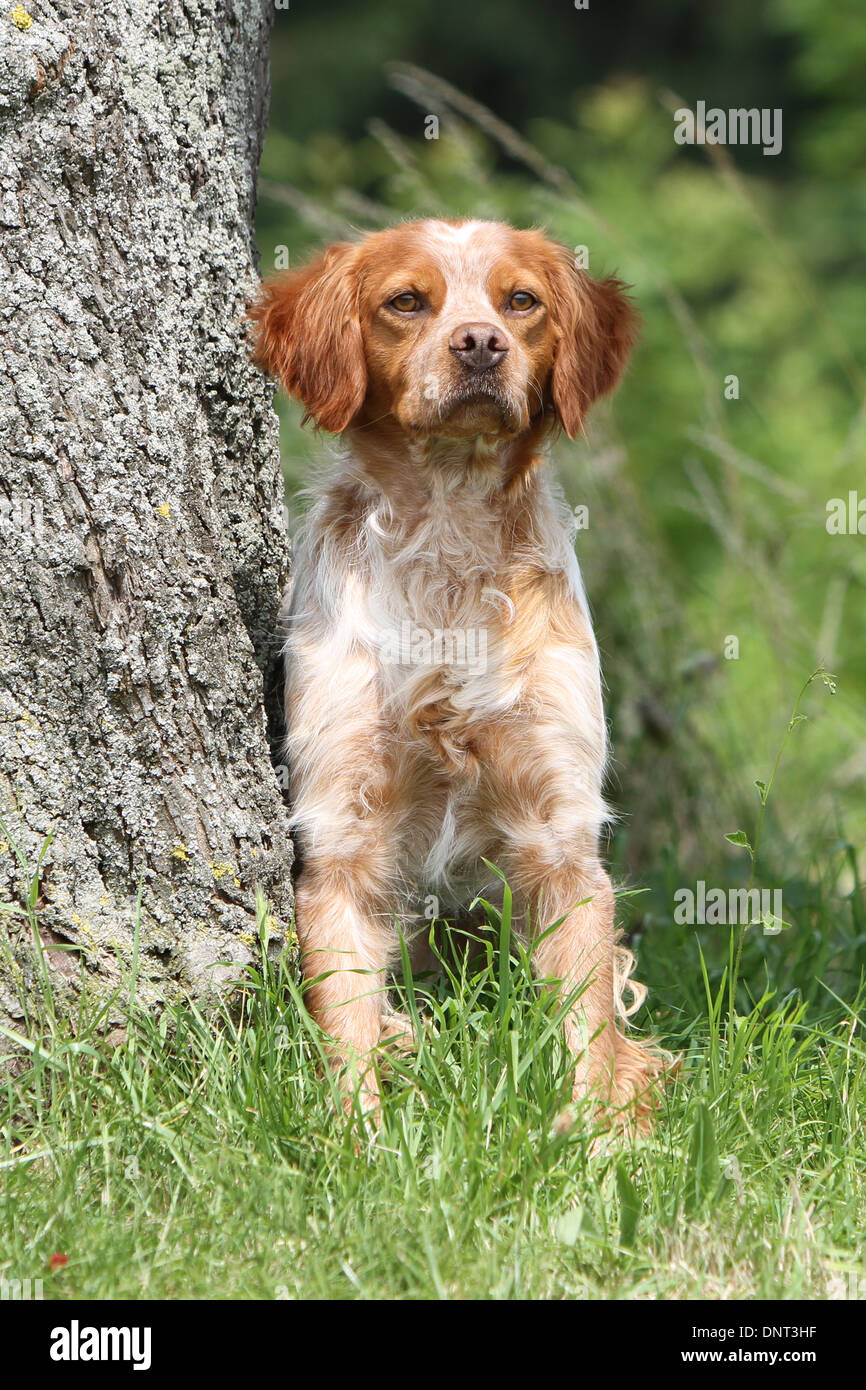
(345, 796)
(347, 941)
(580, 957)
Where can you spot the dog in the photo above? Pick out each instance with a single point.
(443, 690)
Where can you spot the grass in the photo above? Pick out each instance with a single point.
(202, 1157)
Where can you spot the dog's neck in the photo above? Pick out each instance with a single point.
(410, 471)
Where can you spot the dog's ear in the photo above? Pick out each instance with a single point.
(598, 327)
(307, 333)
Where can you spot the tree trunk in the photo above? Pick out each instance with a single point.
(142, 545)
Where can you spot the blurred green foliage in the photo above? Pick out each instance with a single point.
(707, 514)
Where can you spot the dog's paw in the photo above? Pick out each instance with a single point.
(642, 1071)
(398, 1032)
(623, 1091)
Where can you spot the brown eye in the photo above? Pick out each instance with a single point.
(406, 303)
(522, 300)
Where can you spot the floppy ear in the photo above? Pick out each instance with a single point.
(307, 333)
(598, 327)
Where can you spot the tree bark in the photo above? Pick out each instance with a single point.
(142, 544)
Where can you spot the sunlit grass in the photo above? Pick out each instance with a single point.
(205, 1156)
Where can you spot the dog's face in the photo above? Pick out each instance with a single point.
(469, 329)
(459, 329)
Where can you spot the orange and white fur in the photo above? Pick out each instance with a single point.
(443, 693)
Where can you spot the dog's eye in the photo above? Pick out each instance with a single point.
(522, 300)
(407, 303)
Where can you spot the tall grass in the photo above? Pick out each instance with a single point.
(205, 1154)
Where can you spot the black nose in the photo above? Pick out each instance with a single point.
(478, 345)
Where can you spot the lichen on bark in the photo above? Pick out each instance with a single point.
(142, 546)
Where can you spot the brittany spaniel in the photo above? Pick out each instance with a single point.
(443, 694)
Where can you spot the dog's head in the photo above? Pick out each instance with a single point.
(455, 329)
